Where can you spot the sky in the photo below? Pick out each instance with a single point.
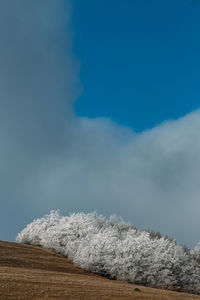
(141, 56)
(99, 110)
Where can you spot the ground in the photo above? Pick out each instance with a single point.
(30, 272)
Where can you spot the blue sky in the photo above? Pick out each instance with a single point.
(140, 61)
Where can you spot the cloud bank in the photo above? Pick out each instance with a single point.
(52, 159)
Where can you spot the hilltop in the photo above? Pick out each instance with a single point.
(117, 250)
(31, 272)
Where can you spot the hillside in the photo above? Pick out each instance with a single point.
(31, 272)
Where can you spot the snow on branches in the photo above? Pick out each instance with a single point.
(117, 250)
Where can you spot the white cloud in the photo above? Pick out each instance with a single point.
(52, 159)
(150, 178)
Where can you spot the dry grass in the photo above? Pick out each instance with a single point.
(30, 272)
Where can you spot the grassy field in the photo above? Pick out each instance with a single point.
(30, 272)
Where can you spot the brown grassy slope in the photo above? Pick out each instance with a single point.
(30, 272)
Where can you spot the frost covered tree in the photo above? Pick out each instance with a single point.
(196, 253)
(117, 250)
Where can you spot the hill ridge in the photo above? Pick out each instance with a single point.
(32, 272)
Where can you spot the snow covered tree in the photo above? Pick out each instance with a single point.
(117, 250)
